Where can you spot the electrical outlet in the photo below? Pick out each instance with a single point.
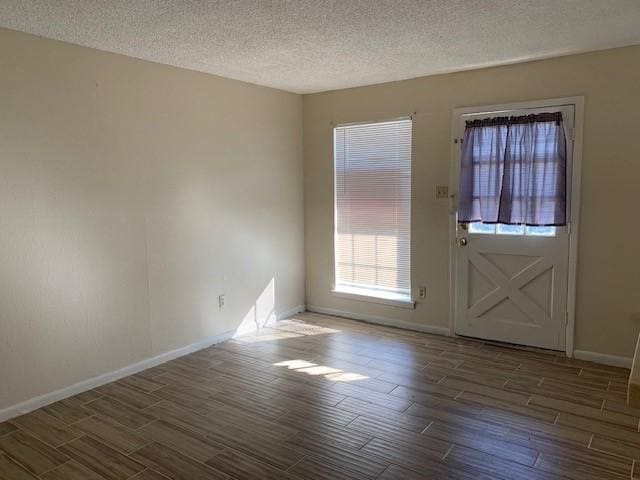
(221, 301)
(442, 191)
(422, 292)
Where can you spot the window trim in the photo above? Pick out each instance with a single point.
(409, 303)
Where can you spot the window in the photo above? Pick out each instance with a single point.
(373, 209)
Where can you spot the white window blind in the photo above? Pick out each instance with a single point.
(373, 209)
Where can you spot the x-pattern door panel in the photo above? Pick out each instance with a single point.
(512, 289)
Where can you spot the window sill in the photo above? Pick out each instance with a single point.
(361, 297)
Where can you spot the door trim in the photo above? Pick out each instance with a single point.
(574, 217)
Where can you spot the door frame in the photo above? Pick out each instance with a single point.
(574, 214)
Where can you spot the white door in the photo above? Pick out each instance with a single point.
(511, 281)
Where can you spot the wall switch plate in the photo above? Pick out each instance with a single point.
(221, 300)
(422, 292)
(442, 191)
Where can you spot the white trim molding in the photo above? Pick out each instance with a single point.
(371, 299)
(603, 358)
(291, 312)
(388, 322)
(57, 395)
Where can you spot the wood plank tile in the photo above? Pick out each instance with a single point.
(487, 464)
(175, 465)
(122, 413)
(31, 453)
(244, 467)
(266, 406)
(588, 465)
(487, 378)
(497, 393)
(68, 411)
(435, 470)
(9, 470)
(6, 428)
(525, 429)
(408, 422)
(426, 395)
(256, 442)
(414, 457)
(129, 395)
(341, 456)
(142, 383)
(384, 400)
(300, 389)
(490, 403)
(280, 454)
(484, 442)
(616, 447)
(594, 413)
(85, 397)
(314, 469)
(101, 459)
(46, 428)
(319, 413)
(251, 423)
(71, 471)
(199, 401)
(394, 472)
(379, 428)
(456, 414)
(180, 417)
(181, 440)
(329, 434)
(599, 428)
(153, 372)
(111, 433)
(560, 391)
(149, 474)
(620, 407)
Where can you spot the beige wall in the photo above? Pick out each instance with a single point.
(131, 195)
(608, 288)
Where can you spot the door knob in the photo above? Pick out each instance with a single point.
(462, 241)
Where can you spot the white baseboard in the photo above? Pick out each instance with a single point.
(51, 397)
(603, 358)
(291, 312)
(389, 322)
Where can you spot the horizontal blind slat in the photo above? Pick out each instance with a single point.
(373, 206)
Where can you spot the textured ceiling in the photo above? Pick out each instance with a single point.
(315, 45)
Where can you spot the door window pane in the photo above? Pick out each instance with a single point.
(503, 229)
(479, 227)
(541, 231)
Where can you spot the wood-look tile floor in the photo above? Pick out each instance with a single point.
(319, 397)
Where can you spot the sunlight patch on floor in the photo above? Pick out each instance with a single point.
(302, 328)
(295, 364)
(330, 373)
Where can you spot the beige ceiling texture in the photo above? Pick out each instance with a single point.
(309, 46)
